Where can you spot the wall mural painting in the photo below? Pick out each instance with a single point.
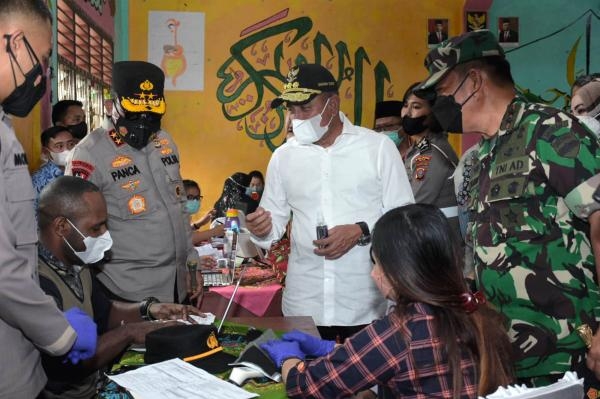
(259, 63)
(554, 96)
(176, 43)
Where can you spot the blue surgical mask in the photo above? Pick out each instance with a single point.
(394, 136)
(192, 206)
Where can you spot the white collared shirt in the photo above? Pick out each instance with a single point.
(358, 178)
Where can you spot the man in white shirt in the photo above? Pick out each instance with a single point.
(340, 173)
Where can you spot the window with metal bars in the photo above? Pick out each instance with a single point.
(85, 59)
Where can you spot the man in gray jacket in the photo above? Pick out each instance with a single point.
(136, 166)
(28, 318)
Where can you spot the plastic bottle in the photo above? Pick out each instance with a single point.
(322, 231)
(232, 228)
(232, 222)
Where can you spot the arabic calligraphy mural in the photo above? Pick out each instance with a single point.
(255, 72)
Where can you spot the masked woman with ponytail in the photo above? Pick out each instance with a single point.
(430, 161)
(440, 340)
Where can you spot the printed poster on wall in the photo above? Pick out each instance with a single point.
(176, 44)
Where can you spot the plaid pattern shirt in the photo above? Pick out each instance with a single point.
(406, 356)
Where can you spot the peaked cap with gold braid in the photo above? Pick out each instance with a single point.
(304, 82)
(139, 86)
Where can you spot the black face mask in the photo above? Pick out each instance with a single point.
(24, 97)
(448, 112)
(79, 130)
(412, 126)
(139, 128)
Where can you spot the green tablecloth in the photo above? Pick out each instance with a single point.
(232, 343)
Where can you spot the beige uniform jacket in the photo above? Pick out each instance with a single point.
(28, 317)
(145, 198)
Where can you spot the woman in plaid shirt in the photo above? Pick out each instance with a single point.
(439, 341)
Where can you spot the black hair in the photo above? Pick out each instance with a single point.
(419, 254)
(187, 183)
(35, 8)
(428, 95)
(408, 92)
(59, 110)
(234, 193)
(51, 133)
(63, 197)
(258, 174)
(497, 68)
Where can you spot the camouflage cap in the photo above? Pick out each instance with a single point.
(456, 50)
(304, 82)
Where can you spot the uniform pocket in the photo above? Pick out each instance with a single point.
(20, 195)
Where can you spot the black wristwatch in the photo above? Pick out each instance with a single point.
(365, 238)
(145, 307)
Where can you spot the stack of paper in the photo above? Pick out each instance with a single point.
(568, 387)
(176, 379)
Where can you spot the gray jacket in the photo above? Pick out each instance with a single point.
(28, 318)
(152, 238)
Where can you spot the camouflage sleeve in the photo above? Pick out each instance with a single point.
(570, 156)
(582, 199)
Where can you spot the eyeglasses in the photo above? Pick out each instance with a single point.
(195, 197)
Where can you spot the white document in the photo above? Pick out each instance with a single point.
(207, 320)
(208, 250)
(176, 379)
(570, 386)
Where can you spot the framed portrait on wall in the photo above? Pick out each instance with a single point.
(437, 31)
(476, 20)
(508, 31)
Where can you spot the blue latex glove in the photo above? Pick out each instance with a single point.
(280, 351)
(310, 345)
(87, 336)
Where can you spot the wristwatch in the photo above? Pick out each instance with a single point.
(145, 307)
(365, 238)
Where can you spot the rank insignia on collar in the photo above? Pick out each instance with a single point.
(166, 151)
(164, 141)
(114, 136)
(423, 145)
(121, 161)
(137, 204)
(131, 185)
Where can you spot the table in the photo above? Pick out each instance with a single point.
(278, 324)
(302, 323)
(264, 301)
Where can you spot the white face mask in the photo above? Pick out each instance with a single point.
(61, 158)
(94, 246)
(591, 123)
(308, 131)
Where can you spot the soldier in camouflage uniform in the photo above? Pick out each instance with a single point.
(532, 206)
